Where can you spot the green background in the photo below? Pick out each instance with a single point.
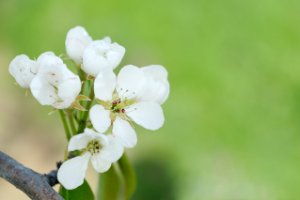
(232, 126)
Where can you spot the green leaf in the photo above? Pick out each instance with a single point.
(83, 192)
(109, 185)
(128, 175)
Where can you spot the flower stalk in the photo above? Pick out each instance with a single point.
(65, 124)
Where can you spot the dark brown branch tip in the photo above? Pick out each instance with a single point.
(52, 178)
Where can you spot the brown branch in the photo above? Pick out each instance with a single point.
(35, 185)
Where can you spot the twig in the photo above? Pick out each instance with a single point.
(35, 185)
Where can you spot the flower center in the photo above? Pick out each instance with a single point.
(94, 146)
(118, 106)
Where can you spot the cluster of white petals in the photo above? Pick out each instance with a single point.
(135, 95)
(95, 56)
(101, 149)
(54, 84)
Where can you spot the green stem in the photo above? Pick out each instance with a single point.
(71, 121)
(64, 121)
(83, 120)
(128, 176)
(81, 73)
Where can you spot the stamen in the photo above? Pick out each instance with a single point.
(131, 110)
(94, 146)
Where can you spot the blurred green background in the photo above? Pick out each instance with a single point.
(232, 126)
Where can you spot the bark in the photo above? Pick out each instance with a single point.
(33, 184)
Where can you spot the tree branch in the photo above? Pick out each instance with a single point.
(35, 185)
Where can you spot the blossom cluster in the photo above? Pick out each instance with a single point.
(134, 95)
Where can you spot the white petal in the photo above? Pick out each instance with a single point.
(99, 164)
(76, 42)
(23, 70)
(72, 172)
(124, 132)
(113, 150)
(157, 85)
(156, 91)
(130, 81)
(43, 91)
(100, 118)
(104, 85)
(51, 67)
(115, 55)
(48, 60)
(158, 72)
(107, 39)
(68, 90)
(79, 141)
(100, 55)
(147, 114)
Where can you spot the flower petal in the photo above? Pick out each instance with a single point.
(99, 164)
(157, 85)
(72, 172)
(113, 150)
(158, 72)
(147, 114)
(76, 42)
(52, 68)
(68, 89)
(23, 69)
(130, 81)
(43, 91)
(48, 60)
(100, 118)
(105, 84)
(124, 132)
(80, 141)
(101, 54)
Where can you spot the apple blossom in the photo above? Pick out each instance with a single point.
(101, 149)
(23, 69)
(54, 84)
(135, 95)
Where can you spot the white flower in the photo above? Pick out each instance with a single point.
(135, 95)
(101, 149)
(54, 84)
(101, 55)
(94, 56)
(23, 69)
(76, 42)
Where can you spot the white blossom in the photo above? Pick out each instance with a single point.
(101, 55)
(93, 56)
(135, 95)
(23, 69)
(101, 149)
(54, 84)
(76, 41)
